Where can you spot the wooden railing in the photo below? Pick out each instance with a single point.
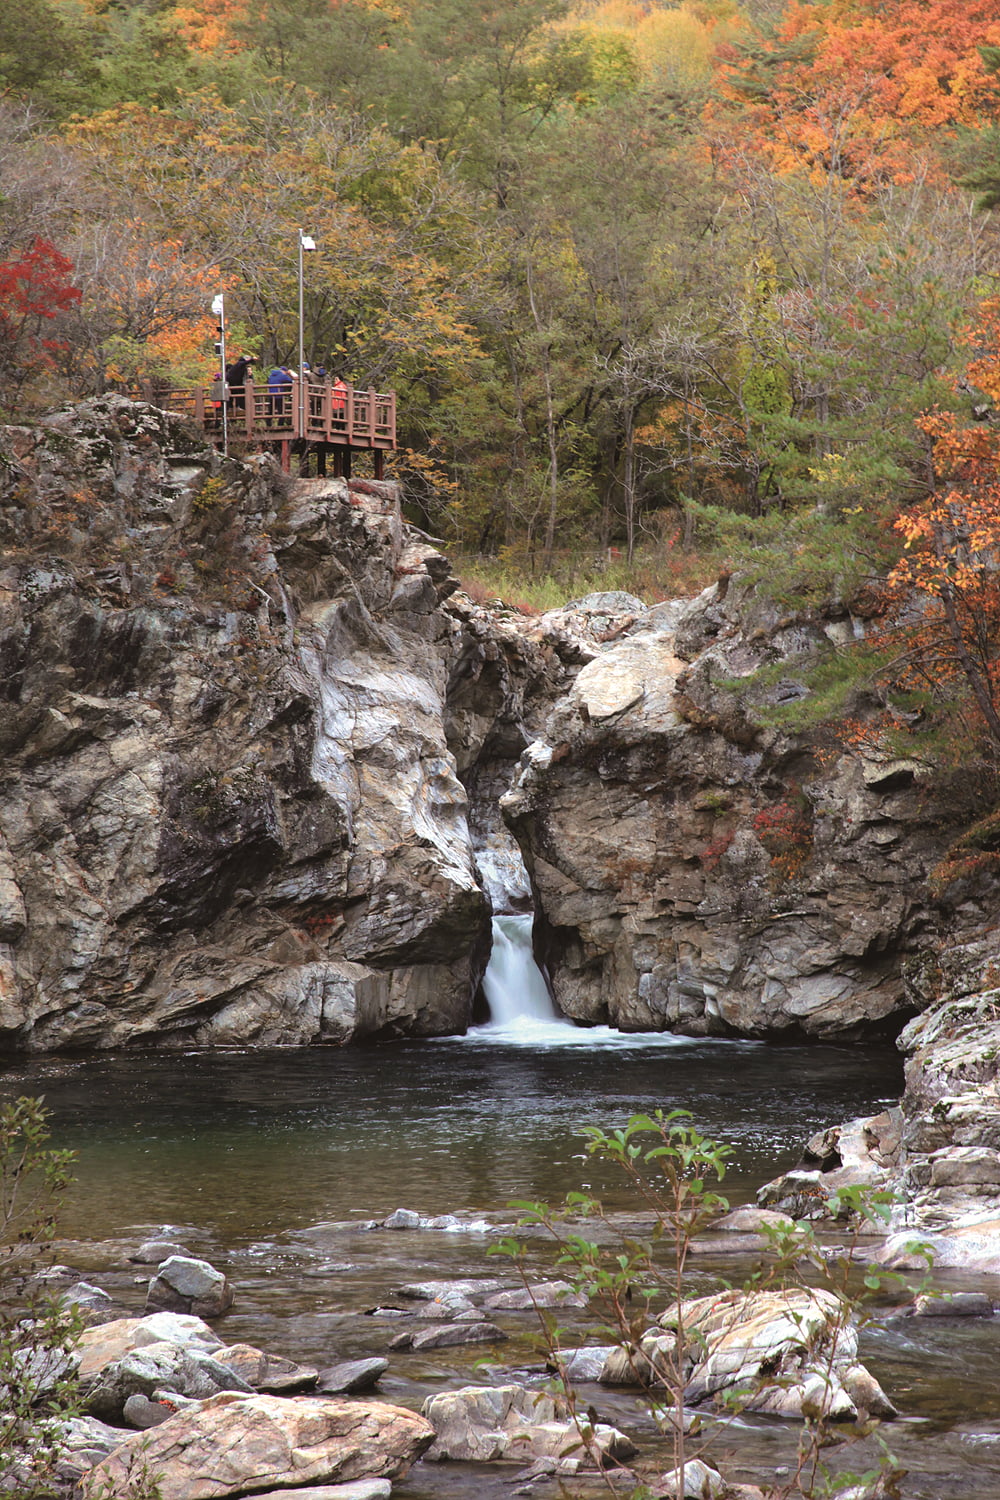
(320, 413)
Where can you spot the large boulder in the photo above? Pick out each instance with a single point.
(179, 1368)
(790, 1352)
(244, 1445)
(101, 1346)
(269, 1373)
(482, 1424)
(938, 1154)
(248, 736)
(700, 870)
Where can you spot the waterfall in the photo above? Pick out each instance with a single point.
(513, 983)
(521, 1010)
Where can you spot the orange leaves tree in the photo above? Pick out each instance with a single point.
(143, 319)
(866, 82)
(399, 251)
(945, 590)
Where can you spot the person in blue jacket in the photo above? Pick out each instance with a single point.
(279, 387)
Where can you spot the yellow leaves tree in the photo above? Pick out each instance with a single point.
(400, 255)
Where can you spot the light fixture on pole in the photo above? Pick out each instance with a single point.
(219, 309)
(306, 242)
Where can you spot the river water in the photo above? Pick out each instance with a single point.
(270, 1164)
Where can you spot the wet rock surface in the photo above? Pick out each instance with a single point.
(185, 1285)
(937, 1154)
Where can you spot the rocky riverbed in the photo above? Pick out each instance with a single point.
(284, 1171)
(211, 1414)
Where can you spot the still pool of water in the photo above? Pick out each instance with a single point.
(268, 1163)
(246, 1144)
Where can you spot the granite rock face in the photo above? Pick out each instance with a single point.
(802, 1340)
(484, 1424)
(701, 871)
(228, 707)
(260, 751)
(937, 1154)
(236, 1445)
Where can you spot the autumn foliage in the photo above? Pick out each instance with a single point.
(35, 287)
(634, 270)
(863, 86)
(944, 592)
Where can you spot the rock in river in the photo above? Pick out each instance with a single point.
(185, 1285)
(803, 1341)
(235, 1444)
(485, 1423)
(352, 1376)
(270, 1373)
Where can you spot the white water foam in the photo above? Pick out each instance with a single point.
(521, 1010)
(525, 1031)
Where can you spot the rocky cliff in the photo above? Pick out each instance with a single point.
(255, 739)
(230, 809)
(700, 871)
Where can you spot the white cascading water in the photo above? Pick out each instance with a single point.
(521, 1007)
(513, 984)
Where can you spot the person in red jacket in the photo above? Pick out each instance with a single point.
(338, 403)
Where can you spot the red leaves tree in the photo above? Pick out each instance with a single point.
(35, 287)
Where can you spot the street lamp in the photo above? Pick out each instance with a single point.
(306, 242)
(219, 309)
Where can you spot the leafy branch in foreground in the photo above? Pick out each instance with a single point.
(38, 1386)
(786, 1344)
(670, 1177)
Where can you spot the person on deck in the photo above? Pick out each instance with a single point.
(279, 385)
(236, 379)
(338, 402)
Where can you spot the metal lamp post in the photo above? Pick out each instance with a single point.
(306, 242)
(219, 309)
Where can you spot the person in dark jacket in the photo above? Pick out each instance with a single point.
(236, 379)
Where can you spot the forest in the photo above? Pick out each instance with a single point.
(664, 289)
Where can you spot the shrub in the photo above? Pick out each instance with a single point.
(670, 1168)
(38, 1386)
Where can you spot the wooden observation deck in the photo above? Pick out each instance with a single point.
(321, 419)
